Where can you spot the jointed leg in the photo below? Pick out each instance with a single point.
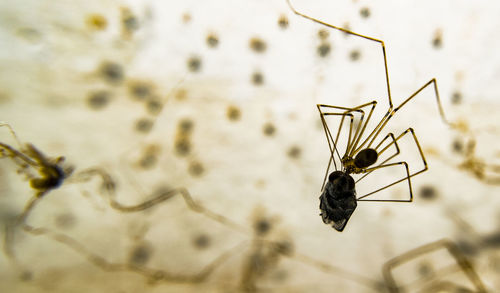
(409, 130)
(351, 151)
(5, 124)
(390, 114)
(358, 35)
(156, 275)
(452, 248)
(108, 187)
(389, 185)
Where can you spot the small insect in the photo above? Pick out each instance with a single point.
(433, 280)
(338, 198)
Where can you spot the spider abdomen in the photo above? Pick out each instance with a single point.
(338, 200)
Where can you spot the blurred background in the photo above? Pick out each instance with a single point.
(219, 97)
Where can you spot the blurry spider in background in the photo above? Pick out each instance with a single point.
(338, 199)
(50, 175)
(433, 280)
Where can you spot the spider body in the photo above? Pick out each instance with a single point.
(338, 199)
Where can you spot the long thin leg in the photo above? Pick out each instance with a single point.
(358, 35)
(361, 127)
(425, 168)
(19, 221)
(338, 271)
(388, 116)
(389, 185)
(109, 188)
(5, 124)
(452, 248)
(390, 112)
(152, 274)
(332, 142)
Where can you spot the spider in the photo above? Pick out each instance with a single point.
(50, 175)
(433, 281)
(338, 198)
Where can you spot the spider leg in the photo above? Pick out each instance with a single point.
(152, 274)
(354, 34)
(108, 187)
(390, 114)
(361, 127)
(421, 153)
(391, 184)
(19, 221)
(332, 142)
(11, 130)
(465, 266)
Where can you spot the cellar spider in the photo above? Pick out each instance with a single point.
(338, 199)
(435, 282)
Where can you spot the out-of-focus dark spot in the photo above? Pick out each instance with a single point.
(186, 17)
(261, 184)
(154, 106)
(269, 129)
(323, 34)
(130, 23)
(194, 64)
(111, 72)
(30, 34)
(96, 22)
(144, 125)
(262, 227)
(182, 146)
(65, 221)
(140, 254)
(140, 90)
(437, 41)
(284, 247)
(257, 78)
(202, 241)
(98, 100)
(258, 45)
(233, 113)
(294, 152)
(283, 21)
(181, 94)
(425, 269)
(148, 161)
(4, 97)
(212, 41)
(196, 169)
(324, 49)
(26, 276)
(365, 12)
(456, 98)
(182, 140)
(428, 192)
(185, 126)
(457, 145)
(354, 55)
